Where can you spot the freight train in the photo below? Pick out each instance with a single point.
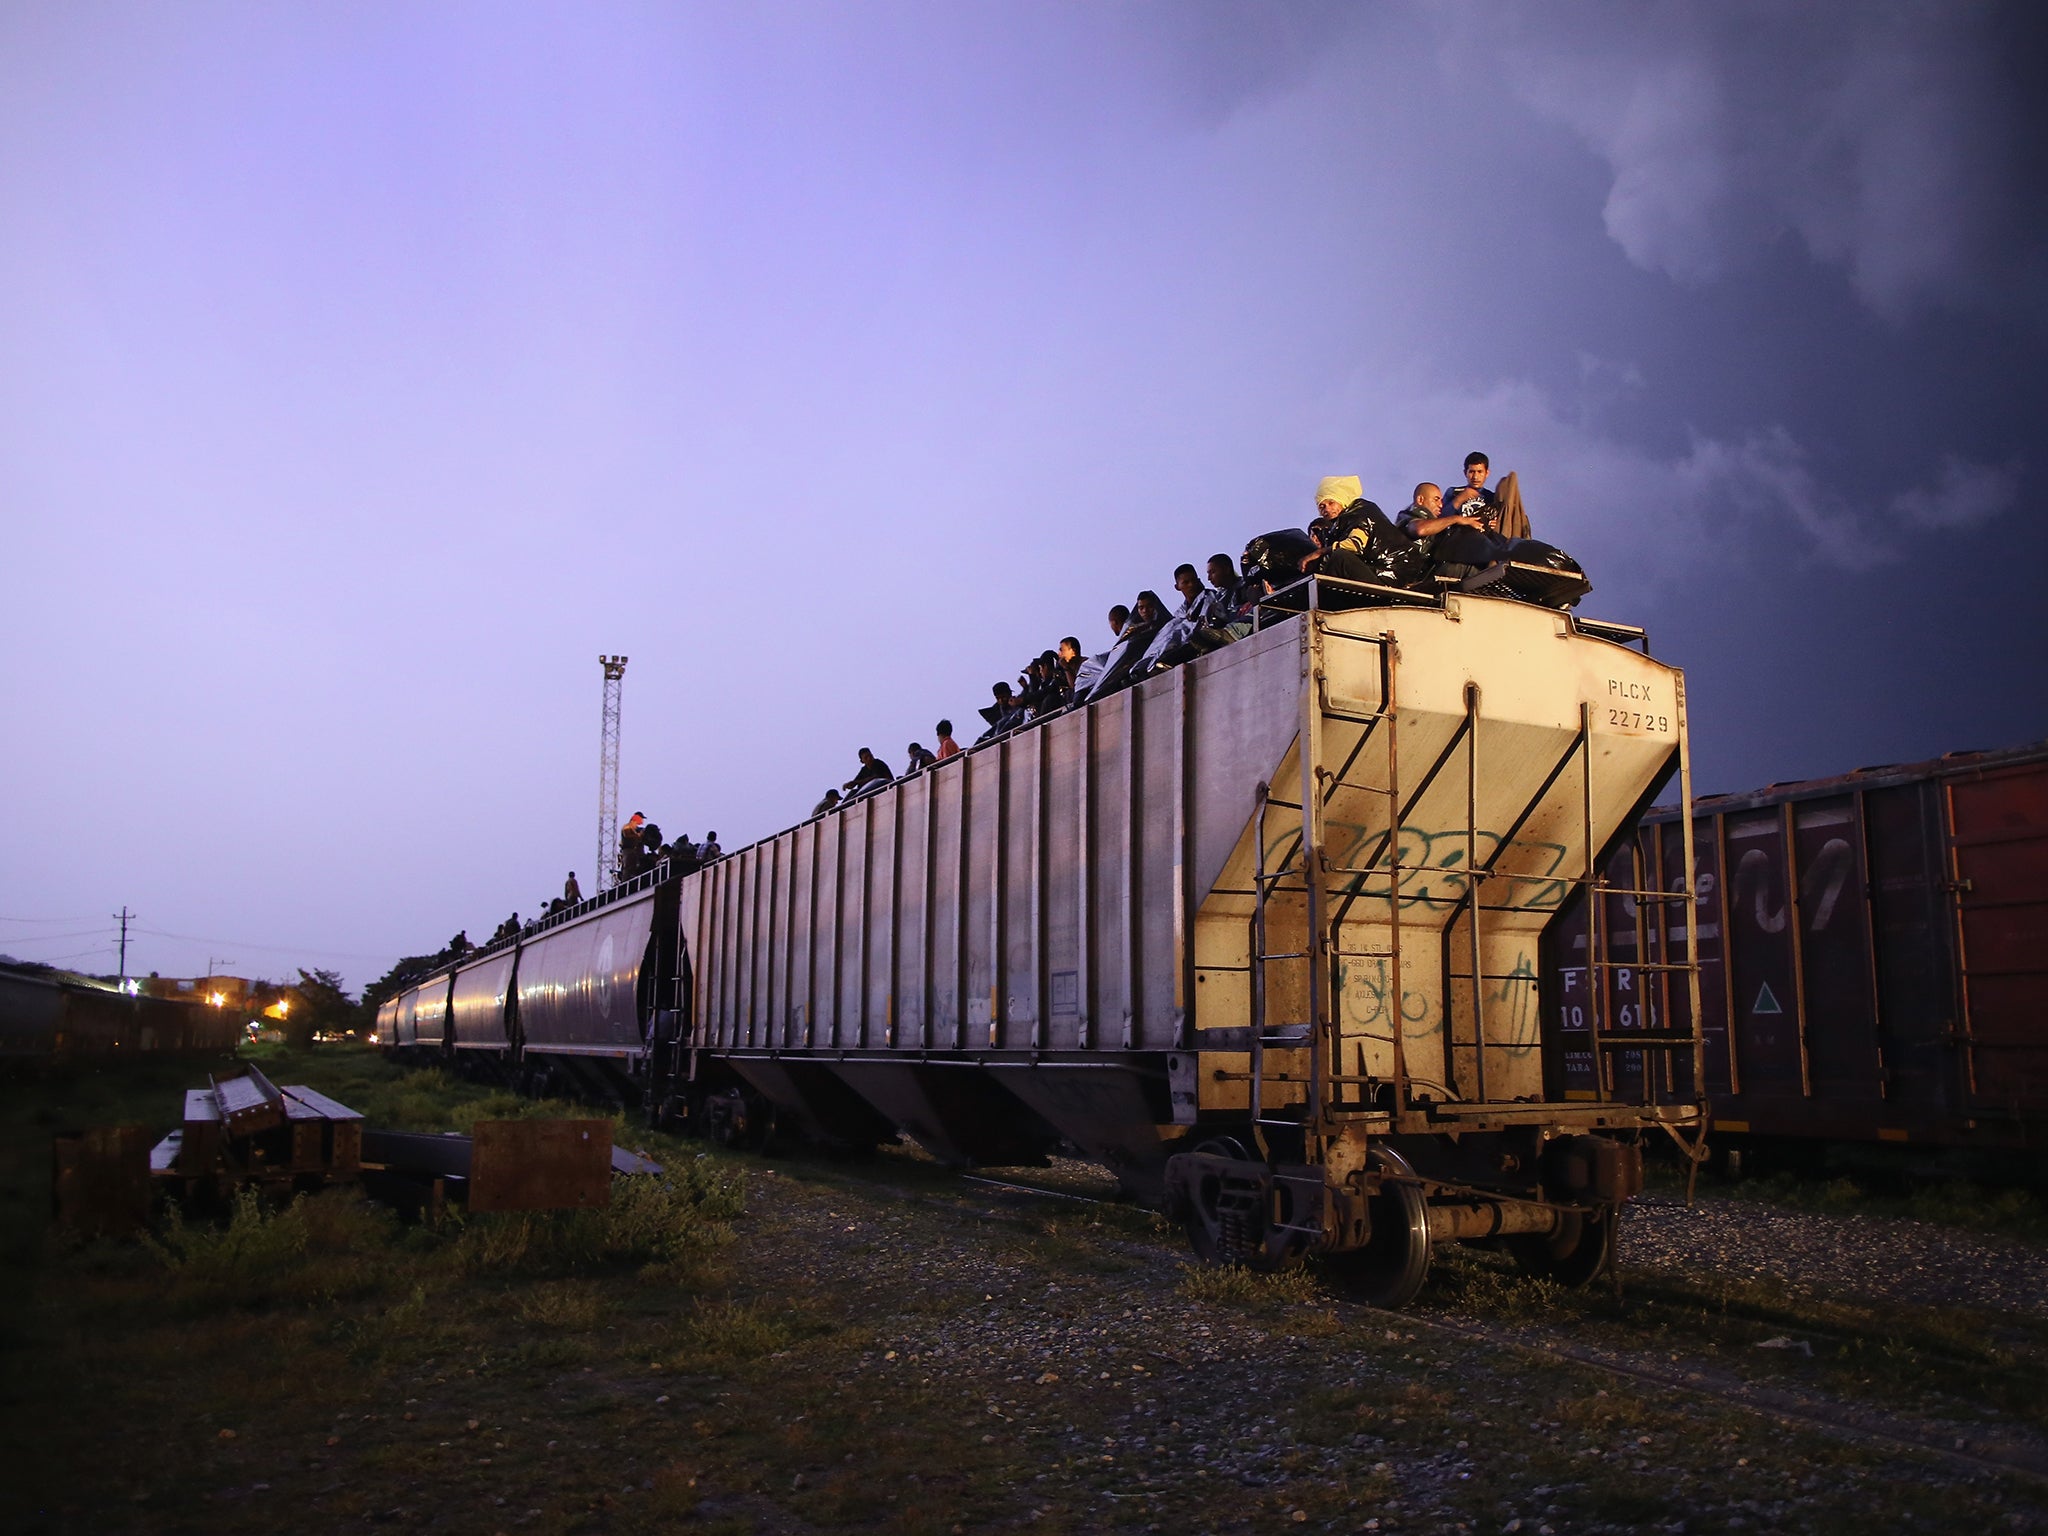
(1873, 953)
(49, 1016)
(1265, 935)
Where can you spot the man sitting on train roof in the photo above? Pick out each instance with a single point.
(1473, 497)
(1090, 671)
(1191, 616)
(1045, 691)
(1004, 714)
(948, 747)
(1069, 657)
(829, 803)
(1237, 598)
(1120, 667)
(920, 759)
(872, 774)
(1226, 615)
(1355, 541)
(1460, 539)
(708, 850)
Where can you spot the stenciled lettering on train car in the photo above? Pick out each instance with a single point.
(1632, 706)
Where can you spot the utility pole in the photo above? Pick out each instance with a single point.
(125, 917)
(608, 774)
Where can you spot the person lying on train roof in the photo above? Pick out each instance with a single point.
(830, 802)
(872, 771)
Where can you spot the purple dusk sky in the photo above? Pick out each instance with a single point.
(366, 370)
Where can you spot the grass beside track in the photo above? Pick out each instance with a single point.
(787, 1344)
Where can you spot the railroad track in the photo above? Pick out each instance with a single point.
(2013, 1452)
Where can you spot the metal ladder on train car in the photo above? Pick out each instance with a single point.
(1308, 865)
(1648, 891)
(1324, 926)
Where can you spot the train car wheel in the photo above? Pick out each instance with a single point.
(737, 1120)
(1205, 1223)
(1577, 1253)
(1394, 1263)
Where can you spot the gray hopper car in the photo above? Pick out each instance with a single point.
(1263, 935)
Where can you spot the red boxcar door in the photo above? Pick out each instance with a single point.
(1998, 840)
(1762, 963)
(1839, 994)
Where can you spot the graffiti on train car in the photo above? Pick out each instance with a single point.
(1352, 845)
(1364, 985)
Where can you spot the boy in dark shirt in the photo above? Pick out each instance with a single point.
(872, 770)
(1473, 499)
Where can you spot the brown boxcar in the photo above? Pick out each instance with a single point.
(49, 1015)
(1873, 952)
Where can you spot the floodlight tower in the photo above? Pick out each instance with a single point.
(608, 774)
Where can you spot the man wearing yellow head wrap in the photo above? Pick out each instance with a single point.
(1355, 537)
(1340, 489)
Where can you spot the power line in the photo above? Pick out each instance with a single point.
(83, 917)
(126, 917)
(53, 938)
(78, 954)
(281, 949)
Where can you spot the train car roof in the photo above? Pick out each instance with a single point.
(1882, 776)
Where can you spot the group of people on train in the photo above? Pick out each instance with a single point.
(1474, 539)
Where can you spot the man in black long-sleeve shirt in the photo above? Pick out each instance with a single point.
(872, 770)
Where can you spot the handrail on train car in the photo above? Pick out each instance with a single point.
(647, 879)
(1386, 597)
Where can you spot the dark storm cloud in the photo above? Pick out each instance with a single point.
(372, 370)
(1897, 141)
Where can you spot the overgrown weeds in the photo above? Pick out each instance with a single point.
(1481, 1285)
(674, 1223)
(1234, 1285)
(315, 1249)
(733, 1330)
